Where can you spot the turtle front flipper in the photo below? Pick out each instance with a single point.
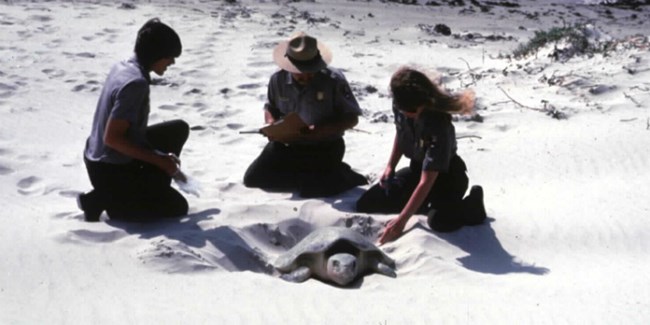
(300, 274)
(385, 270)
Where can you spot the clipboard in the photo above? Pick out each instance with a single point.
(285, 130)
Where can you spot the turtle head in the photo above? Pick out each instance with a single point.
(342, 268)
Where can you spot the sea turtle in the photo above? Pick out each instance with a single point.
(333, 254)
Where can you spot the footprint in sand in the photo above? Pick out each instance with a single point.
(168, 107)
(77, 215)
(7, 90)
(86, 55)
(54, 73)
(200, 106)
(165, 82)
(5, 22)
(90, 236)
(54, 43)
(260, 64)
(250, 86)
(69, 193)
(88, 86)
(29, 185)
(41, 18)
(47, 29)
(24, 34)
(194, 91)
(194, 73)
(4, 170)
(234, 126)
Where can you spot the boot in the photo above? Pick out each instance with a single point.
(443, 220)
(474, 208)
(90, 205)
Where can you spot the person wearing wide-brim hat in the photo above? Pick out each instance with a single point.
(307, 155)
(302, 54)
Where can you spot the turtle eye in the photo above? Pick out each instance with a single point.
(354, 265)
(335, 263)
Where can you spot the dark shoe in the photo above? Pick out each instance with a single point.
(87, 203)
(474, 208)
(442, 221)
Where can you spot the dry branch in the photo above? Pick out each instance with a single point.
(632, 99)
(520, 104)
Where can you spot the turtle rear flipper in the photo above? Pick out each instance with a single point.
(385, 270)
(300, 274)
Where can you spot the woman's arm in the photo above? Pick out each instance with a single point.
(116, 138)
(395, 227)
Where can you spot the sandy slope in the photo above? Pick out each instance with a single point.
(567, 239)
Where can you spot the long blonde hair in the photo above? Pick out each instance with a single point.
(411, 88)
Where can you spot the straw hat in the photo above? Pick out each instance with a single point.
(302, 53)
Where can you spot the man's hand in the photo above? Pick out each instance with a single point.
(169, 163)
(286, 130)
(115, 137)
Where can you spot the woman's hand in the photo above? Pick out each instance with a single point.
(393, 230)
(395, 227)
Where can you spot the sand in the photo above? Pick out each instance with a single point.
(559, 146)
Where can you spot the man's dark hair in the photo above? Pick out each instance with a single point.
(156, 41)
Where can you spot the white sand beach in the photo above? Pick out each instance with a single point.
(560, 145)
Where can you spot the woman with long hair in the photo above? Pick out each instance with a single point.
(436, 180)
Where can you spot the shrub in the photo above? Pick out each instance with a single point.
(575, 37)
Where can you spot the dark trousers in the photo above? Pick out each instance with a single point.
(315, 169)
(445, 198)
(139, 191)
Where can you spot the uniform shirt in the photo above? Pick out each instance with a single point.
(125, 96)
(325, 99)
(429, 140)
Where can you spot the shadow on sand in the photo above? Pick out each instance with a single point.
(486, 255)
(189, 247)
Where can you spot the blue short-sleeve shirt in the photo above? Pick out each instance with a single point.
(125, 96)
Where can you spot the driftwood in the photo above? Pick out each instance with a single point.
(632, 99)
(549, 109)
(520, 104)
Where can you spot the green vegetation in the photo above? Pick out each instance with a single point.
(574, 37)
